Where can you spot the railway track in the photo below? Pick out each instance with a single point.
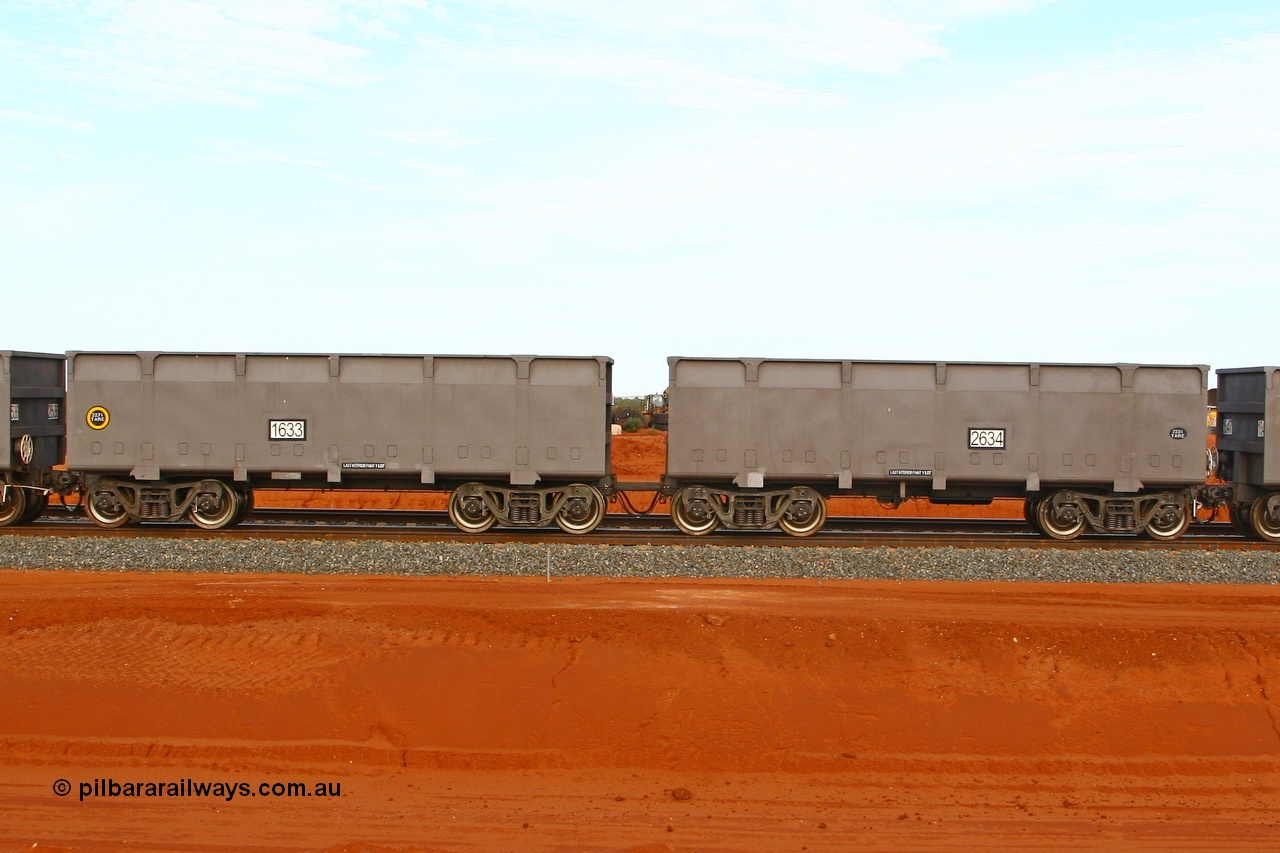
(840, 532)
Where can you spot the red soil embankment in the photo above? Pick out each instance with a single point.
(606, 716)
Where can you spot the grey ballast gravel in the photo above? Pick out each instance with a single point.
(373, 557)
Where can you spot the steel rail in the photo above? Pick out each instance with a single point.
(840, 532)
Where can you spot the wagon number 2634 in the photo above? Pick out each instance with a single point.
(989, 439)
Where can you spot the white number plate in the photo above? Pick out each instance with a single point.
(288, 430)
(986, 439)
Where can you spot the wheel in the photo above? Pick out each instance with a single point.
(1029, 513)
(12, 505)
(806, 513)
(1170, 521)
(1239, 515)
(583, 510)
(37, 503)
(695, 518)
(1058, 522)
(245, 497)
(1261, 523)
(105, 509)
(468, 510)
(216, 505)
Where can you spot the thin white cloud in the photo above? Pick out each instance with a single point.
(697, 53)
(443, 138)
(1136, 161)
(703, 53)
(655, 75)
(850, 34)
(24, 117)
(948, 10)
(240, 154)
(1099, 209)
(435, 170)
(167, 51)
(58, 215)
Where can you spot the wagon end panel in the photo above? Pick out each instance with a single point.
(1170, 428)
(1247, 398)
(33, 385)
(709, 418)
(569, 431)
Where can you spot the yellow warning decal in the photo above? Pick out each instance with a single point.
(98, 418)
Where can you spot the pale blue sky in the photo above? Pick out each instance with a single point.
(952, 180)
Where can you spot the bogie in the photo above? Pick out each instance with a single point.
(805, 514)
(1264, 517)
(469, 511)
(1170, 521)
(13, 504)
(692, 511)
(1059, 518)
(105, 509)
(582, 508)
(37, 503)
(214, 506)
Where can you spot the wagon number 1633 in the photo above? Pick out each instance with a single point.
(288, 430)
(988, 439)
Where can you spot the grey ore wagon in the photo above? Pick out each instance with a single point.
(759, 443)
(1248, 458)
(518, 440)
(34, 385)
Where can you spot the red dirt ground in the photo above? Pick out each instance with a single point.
(585, 715)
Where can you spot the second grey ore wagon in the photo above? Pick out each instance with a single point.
(761, 443)
(518, 440)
